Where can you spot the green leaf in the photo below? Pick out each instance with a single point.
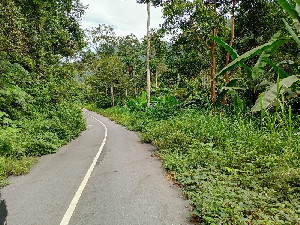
(227, 47)
(298, 6)
(232, 83)
(269, 96)
(232, 53)
(290, 30)
(258, 69)
(247, 68)
(249, 54)
(238, 102)
(289, 9)
(280, 72)
(230, 86)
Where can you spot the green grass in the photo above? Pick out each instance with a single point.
(14, 166)
(231, 171)
(39, 134)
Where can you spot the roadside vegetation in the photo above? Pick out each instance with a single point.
(232, 171)
(38, 89)
(224, 105)
(221, 102)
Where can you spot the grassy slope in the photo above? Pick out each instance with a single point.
(232, 172)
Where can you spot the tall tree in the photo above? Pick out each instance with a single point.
(201, 19)
(102, 39)
(158, 52)
(49, 30)
(148, 2)
(148, 56)
(230, 44)
(129, 50)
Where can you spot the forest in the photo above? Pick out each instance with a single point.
(216, 89)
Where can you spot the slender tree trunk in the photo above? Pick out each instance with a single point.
(112, 95)
(134, 81)
(128, 75)
(156, 78)
(213, 68)
(213, 61)
(230, 44)
(148, 56)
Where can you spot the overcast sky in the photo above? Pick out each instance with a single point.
(126, 16)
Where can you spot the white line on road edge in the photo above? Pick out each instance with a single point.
(72, 206)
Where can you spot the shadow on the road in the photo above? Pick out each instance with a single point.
(3, 211)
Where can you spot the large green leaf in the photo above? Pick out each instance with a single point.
(298, 6)
(232, 85)
(233, 54)
(259, 67)
(239, 104)
(250, 54)
(297, 21)
(280, 72)
(227, 47)
(270, 95)
(289, 9)
(290, 30)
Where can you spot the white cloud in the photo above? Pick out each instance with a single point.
(126, 16)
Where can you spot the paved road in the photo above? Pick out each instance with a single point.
(127, 185)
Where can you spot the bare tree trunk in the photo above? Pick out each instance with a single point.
(148, 56)
(230, 44)
(112, 95)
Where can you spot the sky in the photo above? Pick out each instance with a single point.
(126, 16)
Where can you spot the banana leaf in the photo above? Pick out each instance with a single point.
(259, 67)
(269, 96)
(289, 9)
(232, 53)
(290, 30)
(279, 71)
(227, 47)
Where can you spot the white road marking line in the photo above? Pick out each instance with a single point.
(72, 206)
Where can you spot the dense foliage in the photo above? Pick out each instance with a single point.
(38, 90)
(224, 107)
(224, 111)
(232, 171)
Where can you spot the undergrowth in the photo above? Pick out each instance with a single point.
(232, 171)
(36, 135)
(37, 116)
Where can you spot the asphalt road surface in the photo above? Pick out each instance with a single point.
(105, 176)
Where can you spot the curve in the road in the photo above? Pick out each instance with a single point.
(72, 206)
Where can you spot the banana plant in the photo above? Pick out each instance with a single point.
(265, 50)
(294, 13)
